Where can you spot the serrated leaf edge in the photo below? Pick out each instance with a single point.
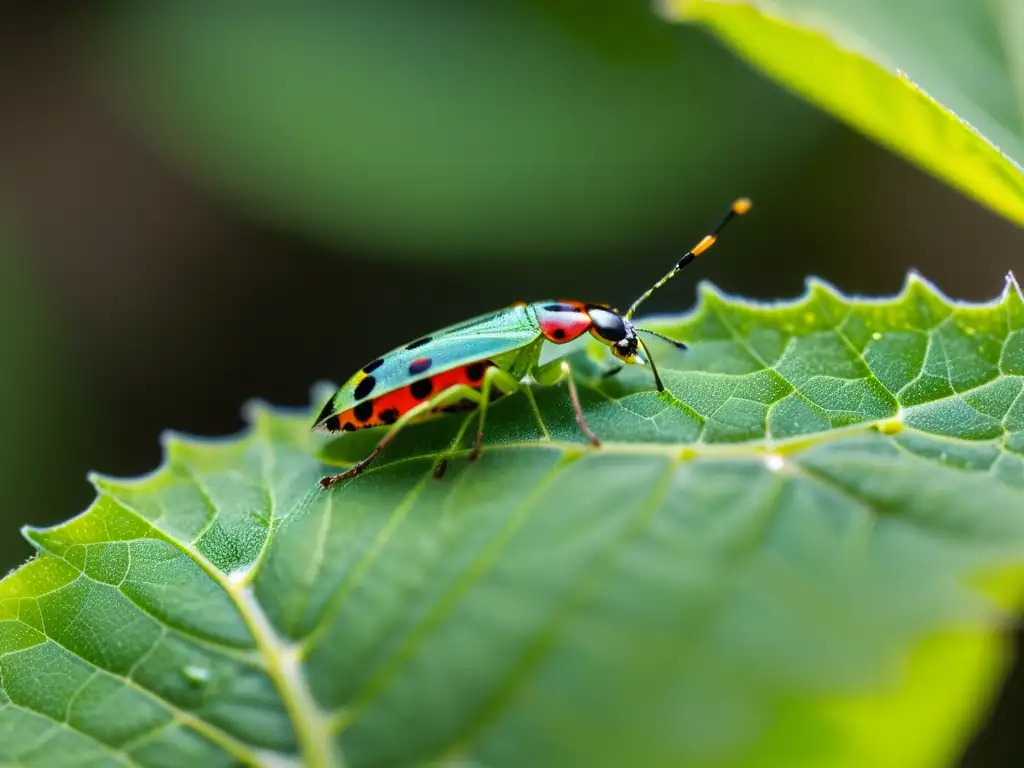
(279, 658)
(282, 660)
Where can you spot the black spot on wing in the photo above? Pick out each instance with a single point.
(365, 387)
(475, 371)
(558, 333)
(373, 366)
(364, 410)
(562, 308)
(421, 389)
(419, 342)
(389, 416)
(333, 424)
(348, 426)
(326, 410)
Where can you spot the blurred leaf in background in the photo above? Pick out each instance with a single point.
(40, 416)
(454, 127)
(939, 81)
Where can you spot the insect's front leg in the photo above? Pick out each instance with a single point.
(552, 373)
(495, 379)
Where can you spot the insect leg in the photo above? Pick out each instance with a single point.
(552, 373)
(359, 466)
(455, 395)
(614, 370)
(450, 396)
(504, 382)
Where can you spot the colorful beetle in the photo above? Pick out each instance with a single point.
(468, 365)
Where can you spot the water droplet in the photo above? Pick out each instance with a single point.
(891, 426)
(774, 462)
(197, 675)
(876, 335)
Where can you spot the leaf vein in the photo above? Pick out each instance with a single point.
(418, 633)
(547, 638)
(363, 566)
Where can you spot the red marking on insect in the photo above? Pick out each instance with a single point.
(401, 401)
(419, 365)
(563, 321)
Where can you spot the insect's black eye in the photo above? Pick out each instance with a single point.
(609, 326)
(625, 349)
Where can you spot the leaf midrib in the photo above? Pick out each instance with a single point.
(280, 661)
(228, 742)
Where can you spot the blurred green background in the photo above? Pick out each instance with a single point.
(205, 203)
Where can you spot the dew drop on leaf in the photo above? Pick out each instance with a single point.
(891, 426)
(196, 675)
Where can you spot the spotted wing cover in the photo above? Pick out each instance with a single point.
(481, 338)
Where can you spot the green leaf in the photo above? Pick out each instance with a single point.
(937, 82)
(340, 119)
(805, 555)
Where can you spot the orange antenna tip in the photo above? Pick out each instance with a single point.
(703, 245)
(741, 205)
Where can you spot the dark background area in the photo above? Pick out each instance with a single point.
(199, 210)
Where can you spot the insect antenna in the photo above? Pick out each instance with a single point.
(654, 368)
(739, 206)
(673, 342)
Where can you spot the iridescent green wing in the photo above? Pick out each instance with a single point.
(480, 338)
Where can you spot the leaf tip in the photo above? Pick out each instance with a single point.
(915, 280)
(816, 289)
(917, 286)
(708, 294)
(32, 534)
(256, 413)
(173, 447)
(813, 282)
(102, 483)
(1011, 286)
(98, 481)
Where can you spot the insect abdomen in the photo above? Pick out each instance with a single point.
(389, 407)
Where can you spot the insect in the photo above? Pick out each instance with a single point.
(469, 365)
